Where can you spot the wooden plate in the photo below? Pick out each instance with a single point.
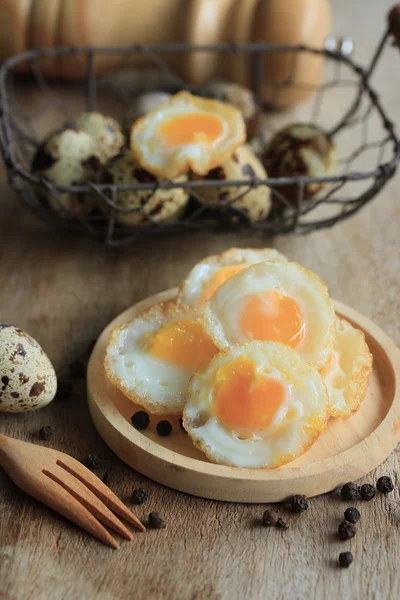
(345, 451)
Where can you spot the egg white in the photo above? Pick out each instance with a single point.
(347, 374)
(192, 288)
(285, 438)
(222, 311)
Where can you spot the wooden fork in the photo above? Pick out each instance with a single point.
(68, 487)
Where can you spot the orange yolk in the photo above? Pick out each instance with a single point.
(218, 279)
(194, 127)
(183, 344)
(244, 399)
(272, 316)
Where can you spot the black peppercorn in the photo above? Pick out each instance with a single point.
(64, 389)
(385, 485)
(270, 518)
(349, 491)
(140, 420)
(77, 369)
(92, 462)
(46, 433)
(156, 521)
(346, 530)
(298, 503)
(345, 559)
(281, 524)
(164, 428)
(352, 515)
(139, 496)
(367, 491)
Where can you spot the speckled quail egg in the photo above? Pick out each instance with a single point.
(67, 157)
(243, 165)
(241, 97)
(27, 377)
(142, 105)
(300, 150)
(104, 131)
(147, 205)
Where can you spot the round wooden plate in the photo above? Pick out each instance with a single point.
(345, 451)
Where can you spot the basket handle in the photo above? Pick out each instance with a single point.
(394, 23)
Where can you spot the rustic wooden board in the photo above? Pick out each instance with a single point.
(346, 450)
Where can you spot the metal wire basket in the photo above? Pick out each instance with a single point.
(368, 164)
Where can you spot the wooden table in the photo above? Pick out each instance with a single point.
(64, 290)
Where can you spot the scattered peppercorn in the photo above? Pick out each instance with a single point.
(345, 559)
(106, 478)
(349, 491)
(281, 524)
(164, 428)
(385, 485)
(298, 503)
(140, 420)
(352, 515)
(156, 521)
(77, 369)
(367, 491)
(46, 433)
(92, 462)
(181, 424)
(64, 389)
(270, 518)
(346, 530)
(139, 496)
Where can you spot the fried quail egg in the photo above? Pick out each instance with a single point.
(145, 205)
(152, 358)
(245, 167)
(274, 301)
(256, 405)
(209, 274)
(347, 373)
(187, 132)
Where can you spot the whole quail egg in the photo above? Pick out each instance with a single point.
(243, 165)
(300, 150)
(27, 377)
(67, 157)
(242, 98)
(142, 105)
(105, 132)
(147, 205)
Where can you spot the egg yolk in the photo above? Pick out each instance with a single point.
(218, 279)
(244, 399)
(189, 128)
(273, 316)
(183, 343)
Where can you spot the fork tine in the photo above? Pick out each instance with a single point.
(81, 493)
(62, 502)
(98, 488)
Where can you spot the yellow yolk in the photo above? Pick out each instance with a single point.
(244, 399)
(193, 127)
(183, 344)
(272, 316)
(218, 279)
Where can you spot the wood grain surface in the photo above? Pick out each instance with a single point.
(64, 290)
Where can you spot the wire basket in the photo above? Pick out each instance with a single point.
(367, 165)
